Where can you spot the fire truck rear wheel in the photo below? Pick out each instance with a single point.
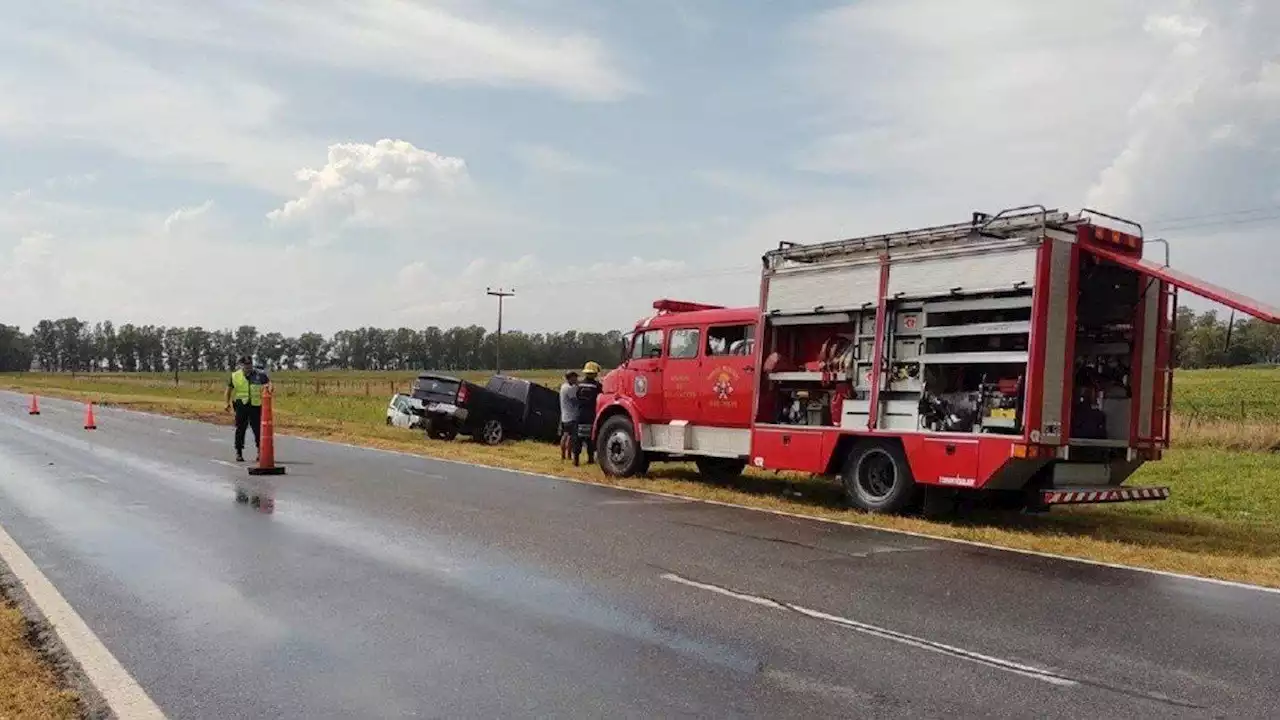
(617, 449)
(877, 478)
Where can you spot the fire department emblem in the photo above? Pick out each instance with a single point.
(722, 383)
(641, 386)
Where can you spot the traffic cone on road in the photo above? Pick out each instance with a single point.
(89, 422)
(35, 406)
(267, 450)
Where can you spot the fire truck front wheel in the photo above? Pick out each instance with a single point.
(877, 478)
(618, 451)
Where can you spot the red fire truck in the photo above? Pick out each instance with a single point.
(1026, 353)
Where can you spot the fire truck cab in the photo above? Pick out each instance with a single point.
(1027, 352)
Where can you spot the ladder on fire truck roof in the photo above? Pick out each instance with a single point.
(1010, 223)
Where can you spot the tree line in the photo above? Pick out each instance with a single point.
(72, 345)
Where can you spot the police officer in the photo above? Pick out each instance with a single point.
(244, 394)
(586, 392)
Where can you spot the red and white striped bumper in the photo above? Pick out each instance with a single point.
(1079, 497)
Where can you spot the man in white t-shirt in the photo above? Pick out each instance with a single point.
(568, 413)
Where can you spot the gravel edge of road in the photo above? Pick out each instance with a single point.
(50, 648)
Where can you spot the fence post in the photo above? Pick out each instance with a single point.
(367, 389)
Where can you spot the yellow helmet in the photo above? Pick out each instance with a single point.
(591, 368)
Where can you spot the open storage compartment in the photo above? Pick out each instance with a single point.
(949, 365)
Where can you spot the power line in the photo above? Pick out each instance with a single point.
(1221, 213)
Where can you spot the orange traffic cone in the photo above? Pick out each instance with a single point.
(267, 450)
(89, 422)
(35, 406)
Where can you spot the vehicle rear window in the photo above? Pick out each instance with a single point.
(435, 386)
(510, 388)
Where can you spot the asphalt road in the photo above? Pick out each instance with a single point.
(386, 585)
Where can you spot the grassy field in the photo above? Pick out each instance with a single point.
(1222, 521)
(29, 688)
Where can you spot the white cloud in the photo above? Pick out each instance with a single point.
(365, 185)
(548, 160)
(185, 215)
(206, 87)
(556, 295)
(930, 109)
(71, 182)
(32, 251)
(1175, 27)
(176, 268)
(69, 90)
(419, 41)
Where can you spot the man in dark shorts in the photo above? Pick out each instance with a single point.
(568, 414)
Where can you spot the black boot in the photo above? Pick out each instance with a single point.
(239, 456)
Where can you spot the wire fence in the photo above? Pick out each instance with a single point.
(292, 387)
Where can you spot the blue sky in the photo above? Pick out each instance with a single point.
(327, 164)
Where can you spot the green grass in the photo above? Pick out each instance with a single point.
(1230, 394)
(1223, 519)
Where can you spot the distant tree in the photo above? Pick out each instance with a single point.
(246, 342)
(314, 350)
(195, 348)
(271, 349)
(44, 340)
(16, 350)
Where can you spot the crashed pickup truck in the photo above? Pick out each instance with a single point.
(503, 408)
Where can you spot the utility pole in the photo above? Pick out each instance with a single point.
(501, 295)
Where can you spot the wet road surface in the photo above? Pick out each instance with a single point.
(386, 585)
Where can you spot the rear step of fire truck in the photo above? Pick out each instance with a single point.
(1094, 495)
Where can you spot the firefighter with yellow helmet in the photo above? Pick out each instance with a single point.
(585, 394)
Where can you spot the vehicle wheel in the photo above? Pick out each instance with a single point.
(388, 420)
(447, 434)
(617, 449)
(720, 469)
(877, 479)
(492, 433)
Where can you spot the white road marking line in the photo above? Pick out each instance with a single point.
(122, 693)
(778, 513)
(224, 462)
(167, 430)
(420, 473)
(1016, 668)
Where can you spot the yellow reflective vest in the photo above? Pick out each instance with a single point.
(244, 391)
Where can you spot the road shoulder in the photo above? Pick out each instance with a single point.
(68, 678)
(62, 638)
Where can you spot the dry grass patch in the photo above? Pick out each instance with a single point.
(29, 688)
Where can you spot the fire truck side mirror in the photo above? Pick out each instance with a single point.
(624, 351)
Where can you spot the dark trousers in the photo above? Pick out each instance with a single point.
(582, 439)
(247, 416)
